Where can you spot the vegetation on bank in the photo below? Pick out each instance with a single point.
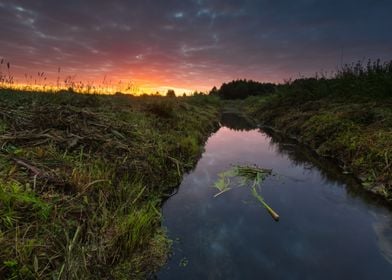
(347, 117)
(82, 178)
(241, 89)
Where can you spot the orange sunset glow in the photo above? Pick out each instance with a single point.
(196, 139)
(184, 45)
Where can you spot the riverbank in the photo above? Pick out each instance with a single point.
(346, 118)
(83, 177)
(232, 236)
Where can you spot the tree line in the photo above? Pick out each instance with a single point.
(241, 89)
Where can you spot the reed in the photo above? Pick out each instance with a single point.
(248, 175)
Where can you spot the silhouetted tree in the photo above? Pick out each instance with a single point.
(197, 93)
(214, 91)
(240, 89)
(171, 93)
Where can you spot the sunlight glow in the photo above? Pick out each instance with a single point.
(99, 89)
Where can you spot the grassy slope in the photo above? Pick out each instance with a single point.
(348, 118)
(82, 179)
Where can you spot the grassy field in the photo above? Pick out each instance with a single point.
(83, 177)
(347, 117)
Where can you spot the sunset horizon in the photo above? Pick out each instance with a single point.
(186, 45)
(196, 139)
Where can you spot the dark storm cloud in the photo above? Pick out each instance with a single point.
(193, 42)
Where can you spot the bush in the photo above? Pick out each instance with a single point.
(162, 108)
(241, 89)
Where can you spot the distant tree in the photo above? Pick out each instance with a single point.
(240, 89)
(197, 93)
(170, 93)
(184, 94)
(214, 91)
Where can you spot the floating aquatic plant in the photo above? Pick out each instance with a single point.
(252, 176)
(223, 183)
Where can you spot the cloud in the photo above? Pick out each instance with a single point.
(192, 43)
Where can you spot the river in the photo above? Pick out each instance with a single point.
(328, 228)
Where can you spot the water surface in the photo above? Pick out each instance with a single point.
(328, 228)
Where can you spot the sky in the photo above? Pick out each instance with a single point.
(190, 44)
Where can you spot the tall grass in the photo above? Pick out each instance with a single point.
(347, 117)
(83, 177)
(59, 81)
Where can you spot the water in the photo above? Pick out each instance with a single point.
(328, 229)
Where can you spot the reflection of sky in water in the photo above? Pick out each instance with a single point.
(324, 232)
(383, 229)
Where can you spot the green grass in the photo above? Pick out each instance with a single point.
(82, 179)
(347, 117)
(252, 176)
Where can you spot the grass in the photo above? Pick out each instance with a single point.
(248, 175)
(82, 179)
(347, 117)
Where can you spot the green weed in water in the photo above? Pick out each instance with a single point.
(252, 176)
(223, 183)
